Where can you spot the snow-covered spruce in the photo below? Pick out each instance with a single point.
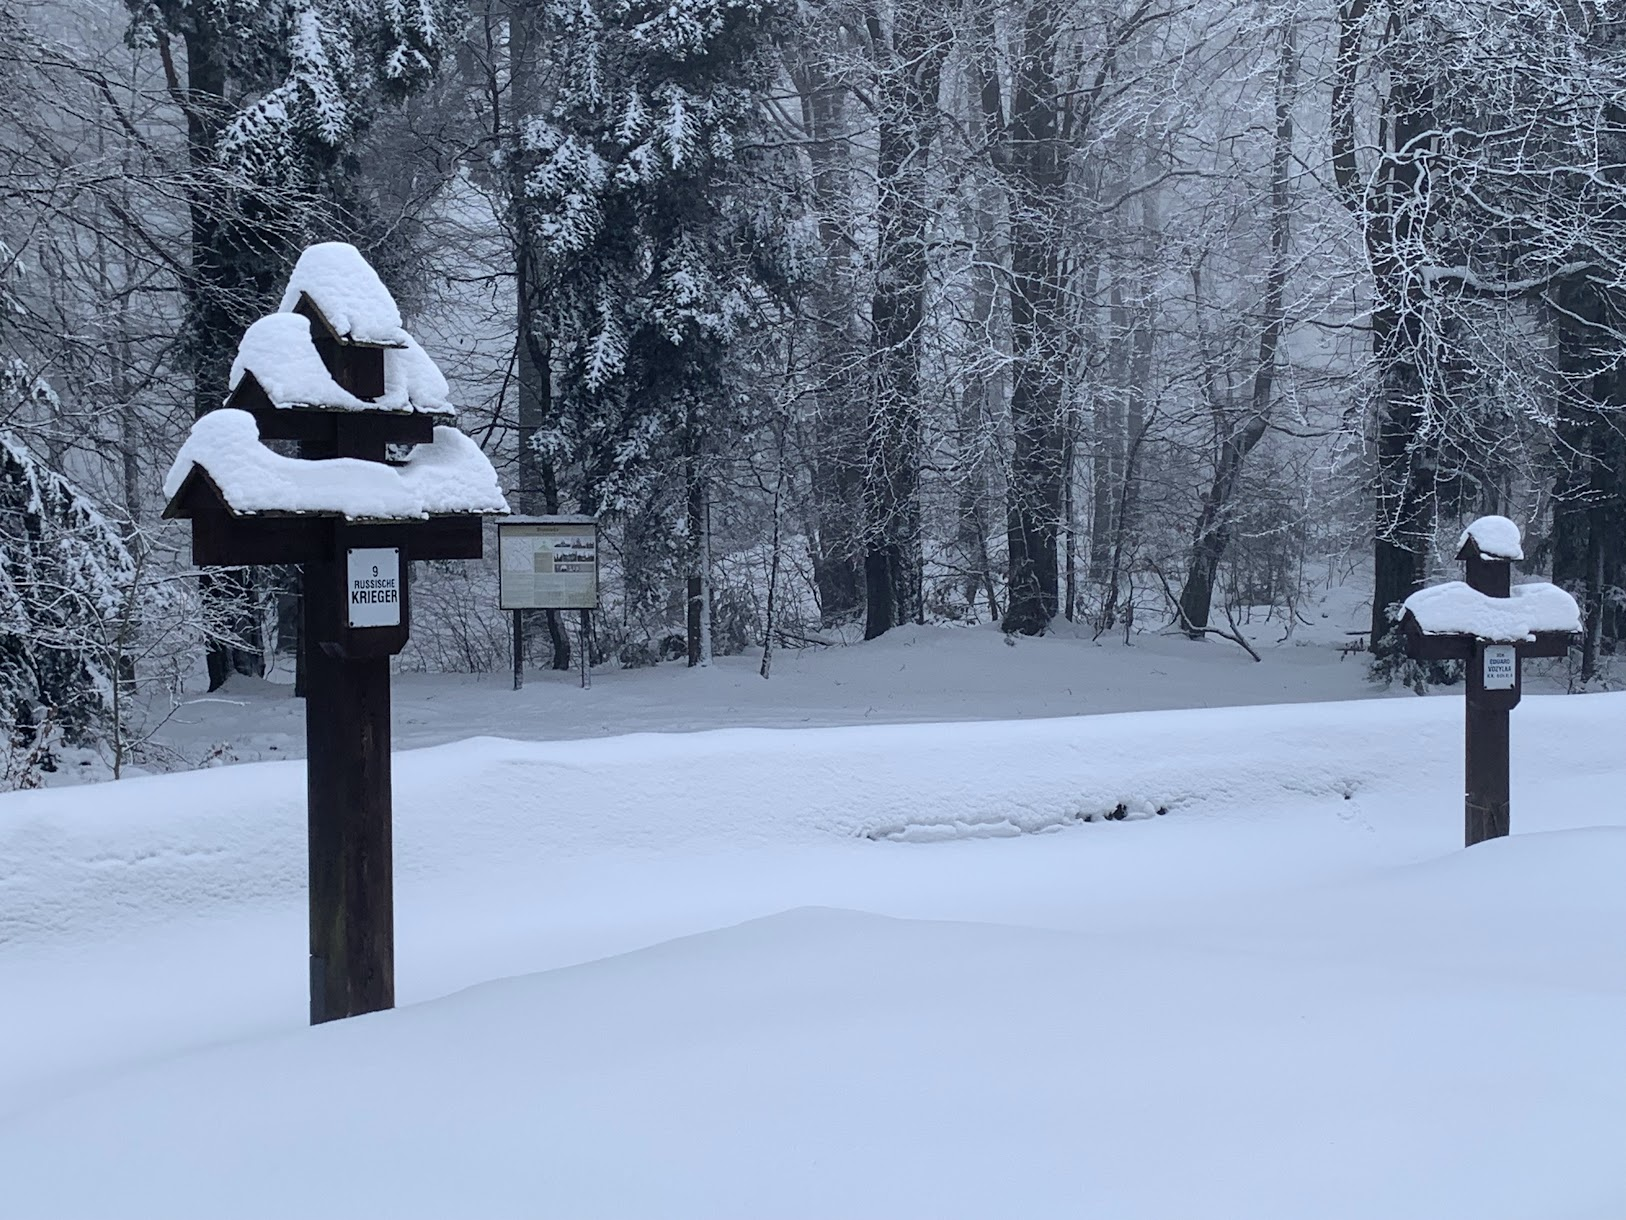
(65, 581)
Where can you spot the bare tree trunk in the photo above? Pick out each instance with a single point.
(1592, 633)
(698, 605)
(1393, 211)
(980, 398)
(838, 460)
(219, 277)
(983, 399)
(910, 60)
(1237, 439)
(773, 565)
(1109, 440)
(1037, 175)
(533, 355)
(1070, 516)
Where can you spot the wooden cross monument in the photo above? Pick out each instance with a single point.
(381, 479)
(1492, 625)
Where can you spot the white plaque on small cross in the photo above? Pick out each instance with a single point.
(1501, 666)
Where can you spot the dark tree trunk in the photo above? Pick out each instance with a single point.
(539, 489)
(910, 68)
(221, 275)
(1394, 216)
(837, 474)
(982, 399)
(1589, 513)
(539, 486)
(696, 608)
(533, 354)
(1037, 175)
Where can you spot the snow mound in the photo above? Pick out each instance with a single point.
(88, 864)
(1496, 538)
(347, 291)
(1455, 608)
(754, 1070)
(717, 999)
(449, 475)
(928, 829)
(413, 381)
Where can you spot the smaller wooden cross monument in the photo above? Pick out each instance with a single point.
(382, 478)
(1492, 625)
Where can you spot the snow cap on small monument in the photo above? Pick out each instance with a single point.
(1455, 608)
(450, 475)
(278, 353)
(346, 291)
(1493, 538)
(413, 381)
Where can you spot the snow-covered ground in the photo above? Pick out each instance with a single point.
(911, 675)
(871, 971)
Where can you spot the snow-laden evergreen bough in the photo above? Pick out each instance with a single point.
(66, 580)
(658, 243)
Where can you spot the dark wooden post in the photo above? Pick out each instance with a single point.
(1486, 770)
(1486, 745)
(347, 742)
(519, 649)
(347, 746)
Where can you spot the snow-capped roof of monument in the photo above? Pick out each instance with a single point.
(1496, 538)
(412, 378)
(449, 475)
(1456, 608)
(347, 291)
(278, 352)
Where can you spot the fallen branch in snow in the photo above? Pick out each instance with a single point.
(794, 639)
(1234, 634)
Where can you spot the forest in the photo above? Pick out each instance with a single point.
(840, 315)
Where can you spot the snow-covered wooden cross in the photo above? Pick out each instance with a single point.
(335, 371)
(1492, 625)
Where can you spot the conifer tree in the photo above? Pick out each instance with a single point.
(653, 255)
(65, 576)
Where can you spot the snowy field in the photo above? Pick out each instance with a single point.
(911, 675)
(884, 970)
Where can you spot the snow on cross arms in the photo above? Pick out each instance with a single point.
(1455, 608)
(449, 475)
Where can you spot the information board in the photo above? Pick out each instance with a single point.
(1501, 666)
(548, 563)
(373, 587)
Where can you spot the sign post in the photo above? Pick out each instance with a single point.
(1492, 625)
(354, 521)
(548, 563)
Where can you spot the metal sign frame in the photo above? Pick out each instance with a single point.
(509, 526)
